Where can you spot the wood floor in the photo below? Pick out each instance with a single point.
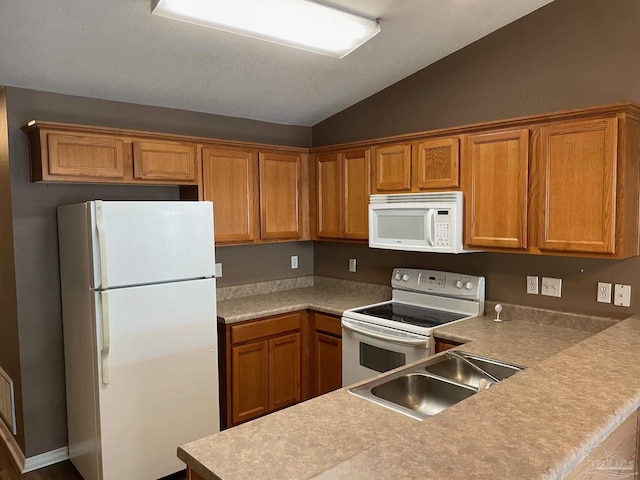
(60, 471)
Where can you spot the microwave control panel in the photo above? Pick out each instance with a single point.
(442, 228)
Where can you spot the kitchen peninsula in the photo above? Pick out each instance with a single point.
(539, 424)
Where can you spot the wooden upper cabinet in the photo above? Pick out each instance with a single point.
(392, 169)
(342, 194)
(577, 206)
(280, 196)
(229, 180)
(329, 195)
(165, 161)
(436, 163)
(80, 156)
(357, 188)
(496, 188)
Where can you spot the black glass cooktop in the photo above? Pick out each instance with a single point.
(419, 316)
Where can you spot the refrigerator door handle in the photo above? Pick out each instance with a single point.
(106, 339)
(102, 243)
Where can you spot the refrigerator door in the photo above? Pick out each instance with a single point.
(162, 384)
(138, 243)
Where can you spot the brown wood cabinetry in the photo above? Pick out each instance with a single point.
(442, 345)
(76, 153)
(567, 187)
(342, 195)
(229, 180)
(169, 161)
(577, 182)
(419, 166)
(326, 369)
(280, 196)
(496, 166)
(261, 364)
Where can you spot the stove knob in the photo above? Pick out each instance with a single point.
(468, 285)
(398, 276)
(405, 277)
(459, 284)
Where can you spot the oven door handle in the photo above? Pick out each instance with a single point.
(404, 341)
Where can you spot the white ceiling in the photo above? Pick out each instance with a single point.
(117, 50)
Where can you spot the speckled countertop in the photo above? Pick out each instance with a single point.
(538, 424)
(326, 296)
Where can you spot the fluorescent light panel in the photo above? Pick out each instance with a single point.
(303, 24)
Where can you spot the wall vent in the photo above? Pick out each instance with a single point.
(7, 401)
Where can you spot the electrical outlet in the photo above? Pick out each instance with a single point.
(552, 287)
(604, 292)
(294, 261)
(622, 296)
(532, 285)
(352, 264)
(218, 270)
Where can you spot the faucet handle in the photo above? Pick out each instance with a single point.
(498, 310)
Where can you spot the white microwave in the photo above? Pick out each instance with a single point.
(419, 222)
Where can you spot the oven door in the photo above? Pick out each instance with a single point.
(369, 349)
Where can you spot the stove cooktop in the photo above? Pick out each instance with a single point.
(411, 314)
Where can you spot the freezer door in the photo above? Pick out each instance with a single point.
(137, 243)
(162, 386)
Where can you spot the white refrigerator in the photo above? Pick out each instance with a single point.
(140, 340)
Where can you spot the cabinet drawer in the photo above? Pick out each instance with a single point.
(265, 328)
(328, 324)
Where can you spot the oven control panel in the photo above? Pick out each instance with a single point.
(441, 283)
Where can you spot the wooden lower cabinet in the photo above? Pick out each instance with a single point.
(192, 475)
(326, 368)
(260, 366)
(272, 363)
(442, 345)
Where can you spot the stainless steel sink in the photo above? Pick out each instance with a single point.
(425, 389)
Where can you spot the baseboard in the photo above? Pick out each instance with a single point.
(45, 459)
(13, 447)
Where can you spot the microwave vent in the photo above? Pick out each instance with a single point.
(435, 197)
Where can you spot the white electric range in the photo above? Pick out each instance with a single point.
(383, 336)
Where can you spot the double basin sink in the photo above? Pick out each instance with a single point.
(435, 384)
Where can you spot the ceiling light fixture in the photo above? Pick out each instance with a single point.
(302, 24)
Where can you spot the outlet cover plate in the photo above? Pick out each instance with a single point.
(622, 296)
(352, 265)
(604, 292)
(551, 287)
(294, 261)
(532, 285)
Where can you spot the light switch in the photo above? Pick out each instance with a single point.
(352, 264)
(622, 296)
(218, 270)
(552, 287)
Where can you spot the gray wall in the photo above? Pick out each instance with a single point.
(35, 237)
(570, 53)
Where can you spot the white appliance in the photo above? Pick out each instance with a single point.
(383, 336)
(140, 340)
(420, 222)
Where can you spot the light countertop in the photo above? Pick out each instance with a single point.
(538, 424)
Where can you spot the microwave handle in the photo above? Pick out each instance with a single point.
(431, 213)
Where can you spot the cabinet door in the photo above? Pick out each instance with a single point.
(78, 156)
(496, 187)
(284, 371)
(435, 164)
(280, 206)
(392, 169)
(578, 176)
(165, 161)
(328, 362)
(357, 182)
(250, 381)
(229, 180)
(329, 196)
